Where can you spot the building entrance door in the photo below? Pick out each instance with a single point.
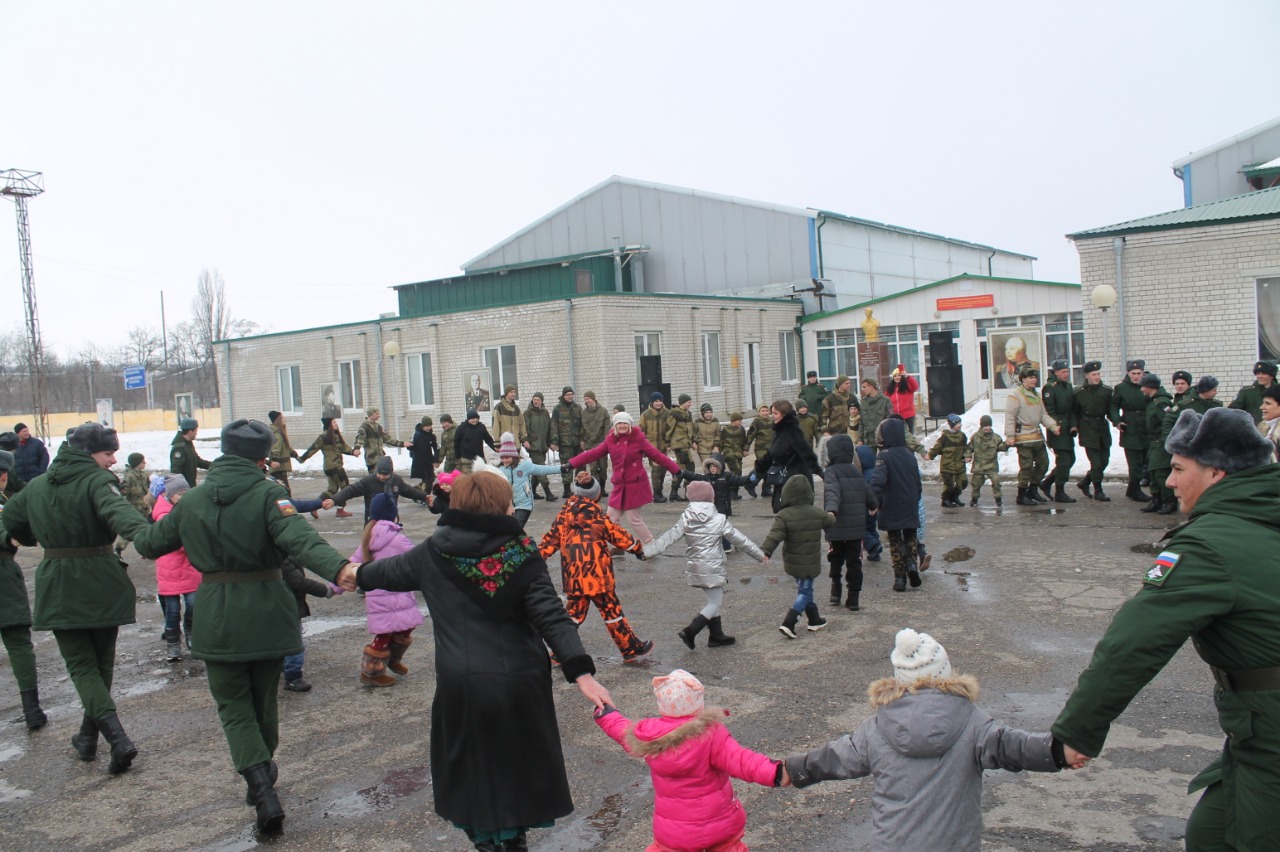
(752, 391)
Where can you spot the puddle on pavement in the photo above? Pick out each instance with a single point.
(959, 554)
(596, 830)
(316, 626)
(380, 797)
(606, 818)
(1151, 549)
(991, 510)
(242, 842)
(9, 793)
(962, 580)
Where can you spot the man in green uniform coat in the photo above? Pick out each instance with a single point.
(653, 423)
(15, 617)
(813, 392)
(183, 457)
(1158, 462)
(1249, 400)
(1204, 398)
(248, 618)
(1129, 413)
(566, 433)
(1215, 582)
(1093, 424)
(679, 440)
(874, 410)
(537, 434)
(83, 594)
(1024, 414)
(1060, 404)
(448, 451)
(595, 426)
(371, 437)
(834, 415)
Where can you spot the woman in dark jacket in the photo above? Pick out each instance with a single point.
(789, 449)
(896, 484)
(497, 769)
(424, 449)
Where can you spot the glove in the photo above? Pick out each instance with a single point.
(335, 590)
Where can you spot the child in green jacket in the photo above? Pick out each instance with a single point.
(951, 445)
(798, 529)
(984, 452)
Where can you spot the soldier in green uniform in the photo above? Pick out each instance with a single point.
(332, 447)
(15, 617)
(1181, 383)
(813, 392)
(952, 445)
(248, 618)
(1215, 582)
(1024, 414)
(733, 444)
(537, 432)
(983, 453)
(834, 415)
(1159, 402)
(507, 417)
(595, 426)
(653, 423)
(448, 452)
(706, 433)
(1205, 397)
(874, 409)
(282, 451)
(1093, 419)
(1249, 400)
(74, 511)
(808, 422)
(566, 433)
(371, 437)
(679, 441)
(759, 436)
(1060, 403)
(1128, 412)
(183, 457)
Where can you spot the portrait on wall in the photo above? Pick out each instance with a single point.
(184, 406)
(476, 393)
(330, 402)
(1011, 349)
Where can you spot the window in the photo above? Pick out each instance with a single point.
(501, 361)
(290, 381)
(711, 359)
(582, 281)
(422, 391)
(837, 355)
(1269, 318)
(647, 343)
(1063, 339)
(787, 356)
(349, 385)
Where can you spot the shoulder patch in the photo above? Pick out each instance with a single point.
(1161, 568)
(286, 507)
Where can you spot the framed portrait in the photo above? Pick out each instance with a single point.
(106, 413)
(330, 400)
(476, 389)
(183, 407)
(1009, 350)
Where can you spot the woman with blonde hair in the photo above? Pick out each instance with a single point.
(629, 486)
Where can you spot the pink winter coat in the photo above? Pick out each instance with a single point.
(629, 486)
(175, 575)
(388, 612)
(691, 759)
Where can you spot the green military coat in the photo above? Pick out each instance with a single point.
(76, 505)
(733, 442)
(507, 417)
(1060, 404)
(835, 413)
(705, 435)
(566, 424)
(1190, 400)
(984, 451)
(679, 429)
(15, 606)
(282, 451)
(372, 437)
(595, 425)
(537, 429)
(1093, 416)
(1129, 409)
(184, 459)
(809, 426)
(1157, 409)
(237, 528)
(1216, 584)
(813, 395)
(952, 446)
(449, 453)
(653, 423)
(1250, 399)
(875, 410)
(760, 435)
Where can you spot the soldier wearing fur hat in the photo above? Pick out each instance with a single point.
(1200, 398)
(653, 424)
(248, 618)
(15, 617)
(1129, 411)
(1181, 383)
(595, 426)
(537, 432)
(679, 440)
(1214, 583)
(1024, 414)
(371, 438)
(1249, 399)
(1159, 402)
(566, 432)
(507, 417)
(1093, 419)
(332, 447)
(183, 457)
(282, 451)
(74, 512)
(813, 392)
(1060, 404)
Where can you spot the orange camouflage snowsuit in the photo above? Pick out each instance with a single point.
(583, 534)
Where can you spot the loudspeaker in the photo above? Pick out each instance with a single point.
(646, 390)
(946, 390)
(942, 349)
(650, 369)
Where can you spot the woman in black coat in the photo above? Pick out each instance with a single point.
(789, 449)
(496, 764)
(424, 449)
(896, 484)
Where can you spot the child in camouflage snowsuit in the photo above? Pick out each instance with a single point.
(759, 436)
(733, 443)
(984, 452)
(951, 445)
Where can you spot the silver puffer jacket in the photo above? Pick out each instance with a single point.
(702, 528)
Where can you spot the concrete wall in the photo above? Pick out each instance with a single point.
(1189, 299)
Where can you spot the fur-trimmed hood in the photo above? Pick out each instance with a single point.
(924, 718)
(652, 737)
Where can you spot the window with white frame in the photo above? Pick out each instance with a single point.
(711, 359)
(1269, 318)
(289, 380)
(787, 356)
(837, 355)
(647, 343)
(501, 361)
(422, 390)
(349, 385)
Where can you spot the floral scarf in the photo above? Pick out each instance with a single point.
(491, 572)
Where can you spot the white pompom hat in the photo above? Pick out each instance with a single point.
(918, 655)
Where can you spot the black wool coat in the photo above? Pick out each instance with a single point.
(845, 492)
(789, 448)
(425, 452)
(896, 480)
(496, 760)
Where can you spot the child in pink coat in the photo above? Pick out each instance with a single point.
(391, 615)
(176, 578)
(691, 756)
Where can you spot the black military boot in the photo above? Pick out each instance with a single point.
(657, 496)
(273, 773)
(1167, 507)
(31, 711)
(1045, 483)
(1023, 499)
(1084, 485)
(1099, 495)
(123, 751)
(1060, 495)
(86, 742)
(691, 632)
(262, 791)
(1033, 491)
(1153, 506)
(674, 496)
(718, 638)
(1135, 492)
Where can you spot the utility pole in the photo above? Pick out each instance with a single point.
(21, 185)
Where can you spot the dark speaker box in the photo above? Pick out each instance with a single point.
(650, 369)
(646, 390)
(941, 349)
(946, 390)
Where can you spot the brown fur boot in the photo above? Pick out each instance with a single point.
(373, 667)
(397, 654)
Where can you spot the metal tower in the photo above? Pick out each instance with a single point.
(21, 185)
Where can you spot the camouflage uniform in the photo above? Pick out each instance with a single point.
(759, 436)
(952, 446)
(566, 434)
(653, 423)
(595, 426)
(984, 454)
(537, 431)
(679, 440)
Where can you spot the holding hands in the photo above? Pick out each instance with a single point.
(347, 576)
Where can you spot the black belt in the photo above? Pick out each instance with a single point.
(1247, 680)
(77, 552)
(264, 576)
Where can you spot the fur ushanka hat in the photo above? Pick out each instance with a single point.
(248, 439)
(1224, 438)
(93, 438)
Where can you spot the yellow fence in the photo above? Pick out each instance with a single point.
(145, 420)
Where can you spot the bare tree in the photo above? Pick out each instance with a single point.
(212, 321)
(142, 346)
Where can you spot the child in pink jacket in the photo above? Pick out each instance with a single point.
(391, 615)
(691, 756)
(176, 578)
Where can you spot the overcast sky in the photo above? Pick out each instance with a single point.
(317, 153)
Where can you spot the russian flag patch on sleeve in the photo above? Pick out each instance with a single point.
(1161, 568)
(286, 507)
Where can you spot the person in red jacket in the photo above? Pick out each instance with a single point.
(901, 391)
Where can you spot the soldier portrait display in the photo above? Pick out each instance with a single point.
(184, 406)
(476, 389)
(1008, 351)
(330, 406)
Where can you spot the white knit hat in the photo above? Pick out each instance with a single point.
(918, 655)
(678, 694)
(622, 417)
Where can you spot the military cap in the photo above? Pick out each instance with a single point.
(1135, 364)
(1206, 384)
(1265, 367)
(94, 438)
(1059, 364)
(6, 461)
(1182, 374)
(1092, 366)
(1149, 380)
(248, 439)
(1028, 371)
(1224, 438)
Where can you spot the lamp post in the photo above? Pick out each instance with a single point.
(391, 349)
(1104, 296)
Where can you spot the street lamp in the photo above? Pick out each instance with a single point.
(1104, 296)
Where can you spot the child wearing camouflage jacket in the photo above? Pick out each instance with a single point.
(984, 452)
(759, 436)
(951, 445)
(733, 443)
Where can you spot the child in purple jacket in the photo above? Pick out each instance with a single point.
(391, 615)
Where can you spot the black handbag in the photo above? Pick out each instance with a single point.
(776, 475)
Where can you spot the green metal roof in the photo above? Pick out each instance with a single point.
(961, 277)
(1267, 169)
(1262, 204)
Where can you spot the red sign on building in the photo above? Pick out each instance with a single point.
(960, 303)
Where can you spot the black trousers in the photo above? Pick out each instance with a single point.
(846, 555)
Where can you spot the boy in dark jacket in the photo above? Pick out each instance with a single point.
(723, 483)
(798, 529)
(952, 446)
(847, 499)
(469, 441)
(896, 484)
(871, 545)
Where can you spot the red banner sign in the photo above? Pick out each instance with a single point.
(960, 303)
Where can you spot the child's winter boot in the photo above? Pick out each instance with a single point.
(718, 638)
(816, 622)
(788, 626)
(397, 649)
(373, 667)
(836, 590)
(691, 632)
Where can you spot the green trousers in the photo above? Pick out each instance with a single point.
(685, 459)
(1207, 826)
(956, 482)
(540, 457)
(979, 478)
(90, 656)
(657, 477)
(567, 453)
(1033, 464)
(22, 656)
(1159, 490)
(1063, 460)
(247, 707)
(1098, 459)
(1137, 460)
